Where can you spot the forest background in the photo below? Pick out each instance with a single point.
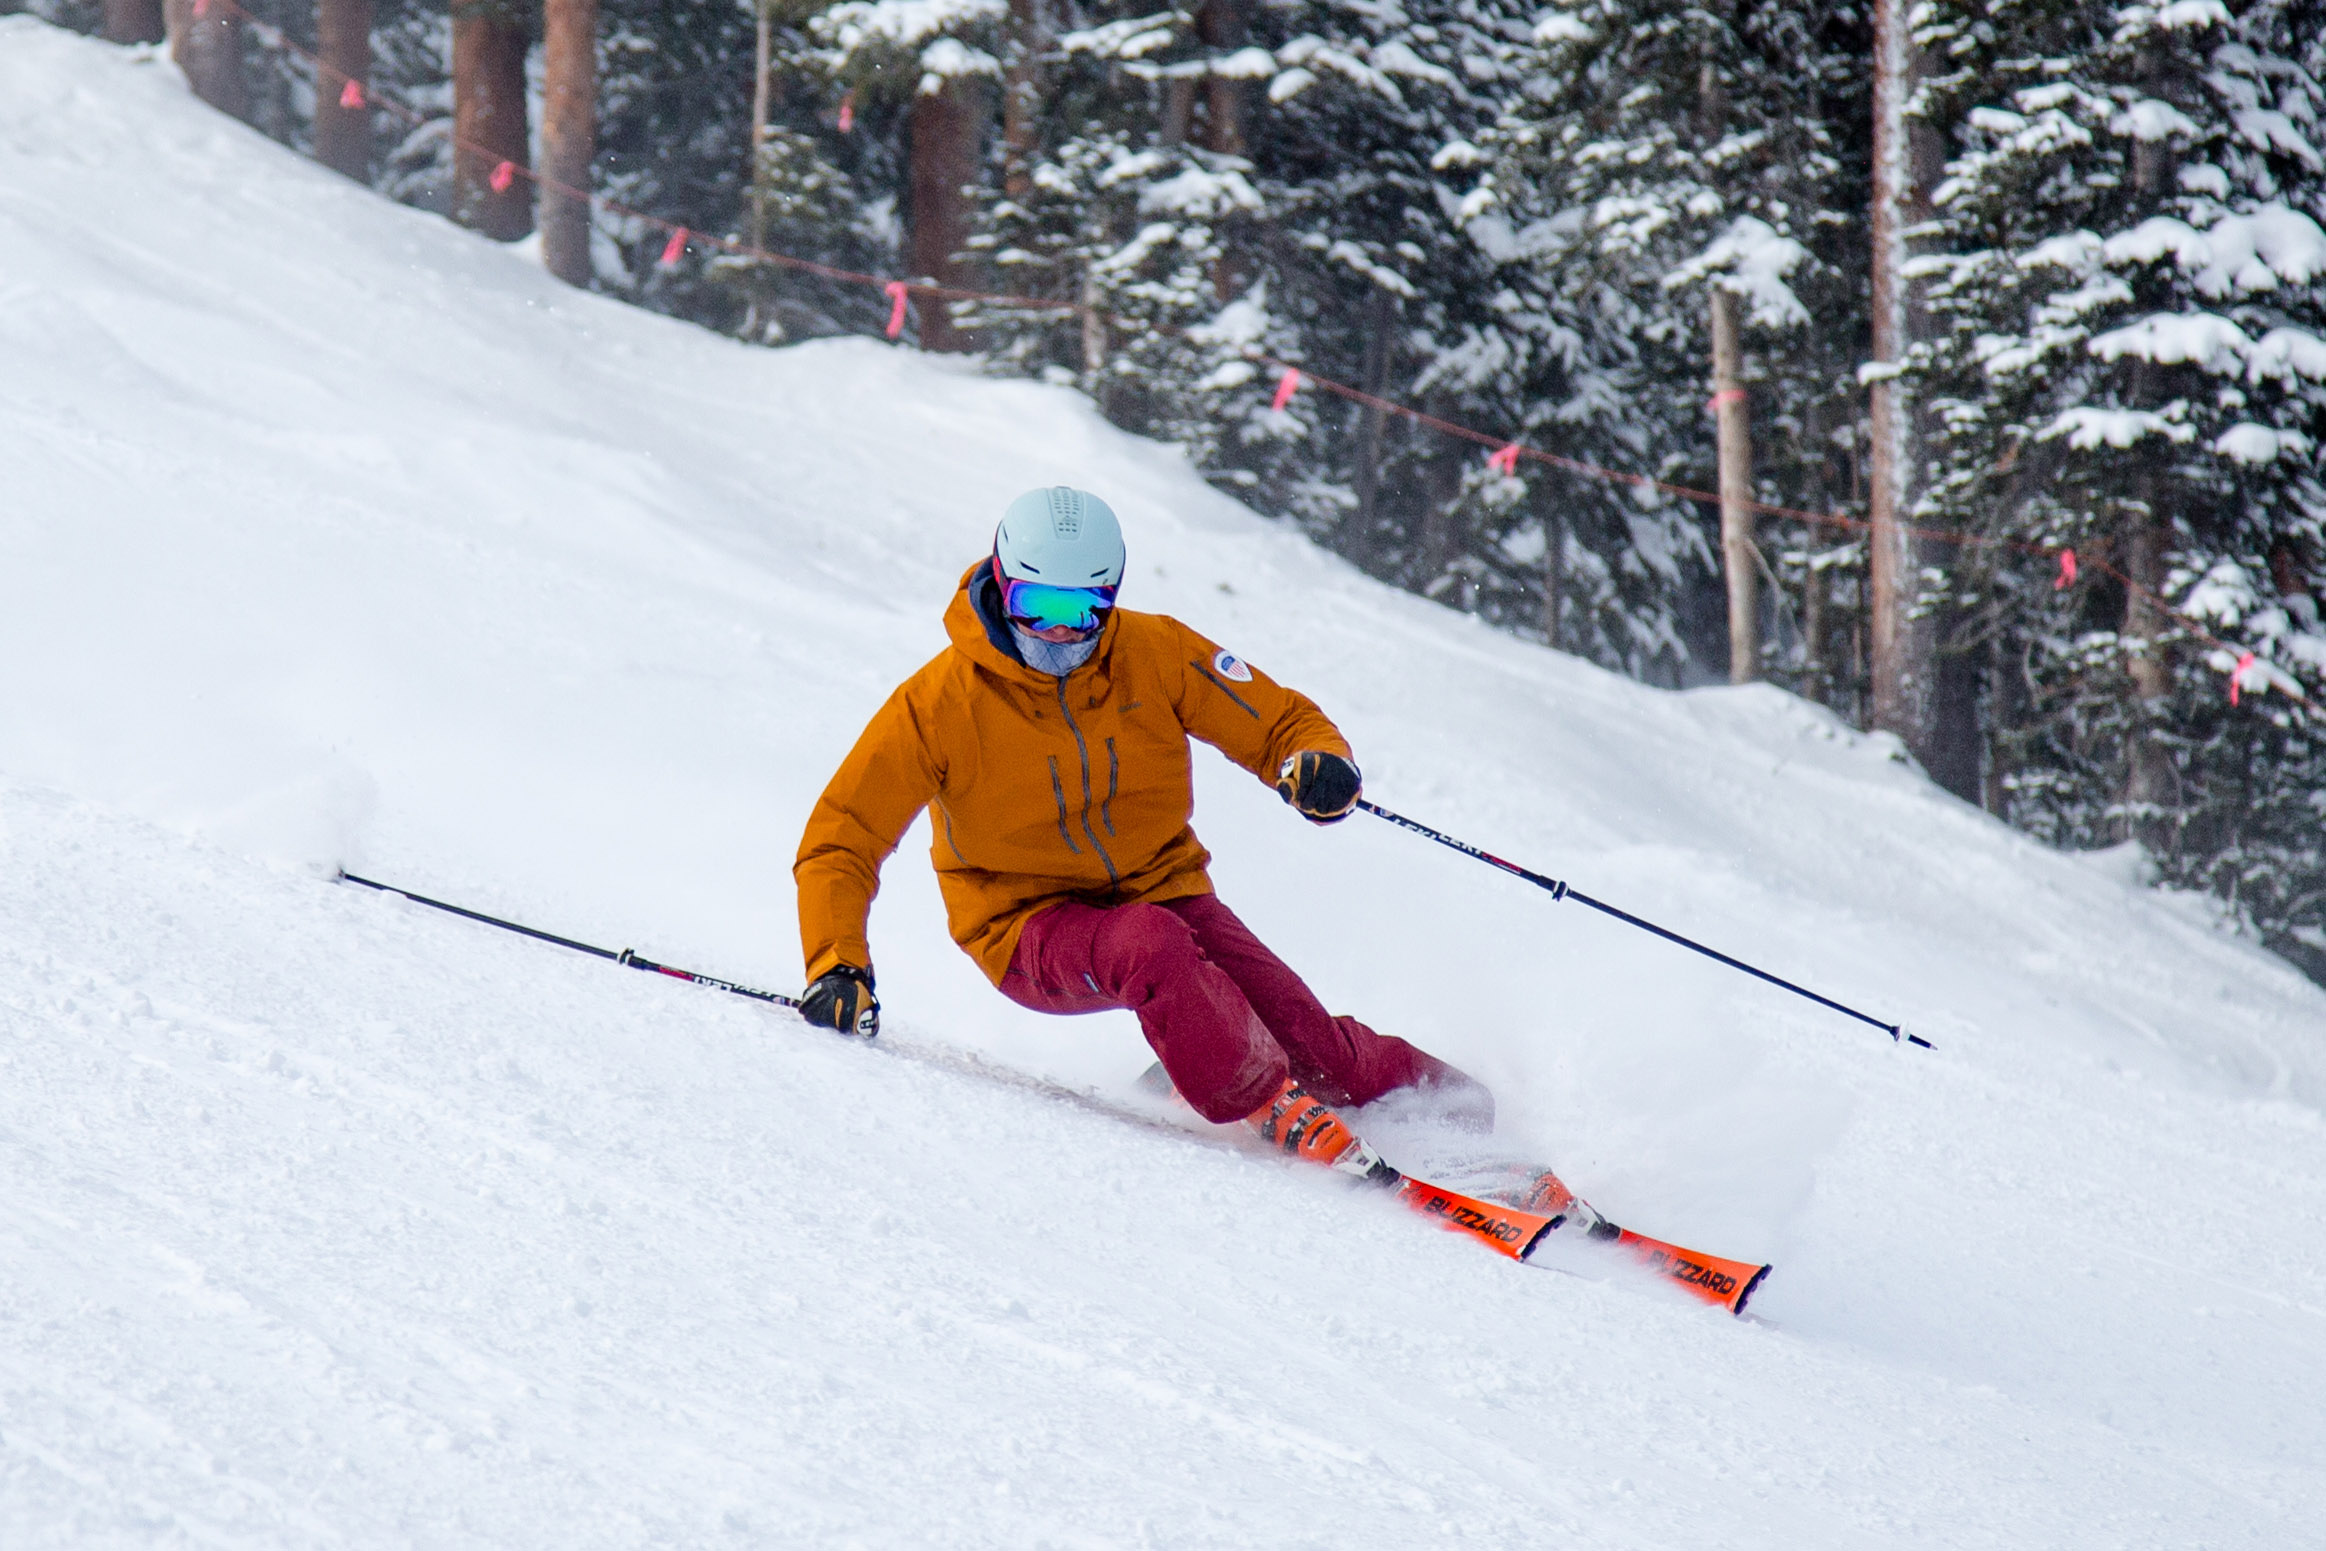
(1958, 365)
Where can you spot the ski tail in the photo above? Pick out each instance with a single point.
(1506, 1229)
(1726, 1284)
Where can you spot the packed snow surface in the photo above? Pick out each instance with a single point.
(332, 536)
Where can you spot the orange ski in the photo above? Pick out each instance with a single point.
(1499, 1226)
(1724, 1283)
(1518, 1219)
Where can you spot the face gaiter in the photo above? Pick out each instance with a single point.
(1057, 658)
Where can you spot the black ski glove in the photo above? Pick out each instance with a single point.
(842, 999)
(1322, 786)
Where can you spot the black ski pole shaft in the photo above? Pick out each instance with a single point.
(625, 957)
(1559, 890)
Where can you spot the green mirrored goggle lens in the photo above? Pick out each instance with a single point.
(1043, 607)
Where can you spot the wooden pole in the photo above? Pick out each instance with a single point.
(1733, 430)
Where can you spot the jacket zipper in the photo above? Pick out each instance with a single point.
(1072, 726)
(1106, 809)
(1058, 790)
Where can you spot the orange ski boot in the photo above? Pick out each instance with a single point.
(1306, 1128)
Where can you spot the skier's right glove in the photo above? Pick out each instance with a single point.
(842, 999)
(1322, 786)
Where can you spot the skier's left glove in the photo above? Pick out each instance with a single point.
(842, 999)
(1322, 786)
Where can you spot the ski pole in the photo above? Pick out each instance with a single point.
(1559, 890)
(625, 957)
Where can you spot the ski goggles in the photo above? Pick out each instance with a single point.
(1040, 606)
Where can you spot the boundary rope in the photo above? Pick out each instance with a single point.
(1505, 453)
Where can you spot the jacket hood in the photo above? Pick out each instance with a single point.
(974, 623)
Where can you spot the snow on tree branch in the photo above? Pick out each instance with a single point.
(1751, 259)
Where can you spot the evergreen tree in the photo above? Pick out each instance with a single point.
(1288, 182)
(1657, 149)
(916, 75)
(2133, 363)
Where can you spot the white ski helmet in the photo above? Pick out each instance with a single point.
(1062, 536)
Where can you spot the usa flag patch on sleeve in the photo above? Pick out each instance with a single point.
(1230, 666)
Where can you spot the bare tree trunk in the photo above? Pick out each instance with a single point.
(1554, 577)
(134, 21)
(2149, 781)
(1094, 333)
(1901, 646)
(1814, 629)
(1022, 96)
(569, 135)
(1994, 787)
(1381, 317)
(488, 122)
(208, 48)
(1227, 26)
(944, 133)
(1178, 109)
(762, 94)
(343, 119)
(1738, 557)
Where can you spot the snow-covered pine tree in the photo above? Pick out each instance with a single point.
(1214, 186)
(921, 74)
(1658, 149)
(2133, 363)
(822, 187)
(675, 108)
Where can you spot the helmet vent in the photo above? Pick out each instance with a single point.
(1061, 535)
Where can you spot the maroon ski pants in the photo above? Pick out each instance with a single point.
(1227, 1018)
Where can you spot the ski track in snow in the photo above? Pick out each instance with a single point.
(334, 536)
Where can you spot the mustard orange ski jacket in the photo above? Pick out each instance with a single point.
(1042, 789)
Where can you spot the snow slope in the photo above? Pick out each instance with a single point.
(331, 535)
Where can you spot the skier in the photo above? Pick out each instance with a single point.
(1050, 740)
